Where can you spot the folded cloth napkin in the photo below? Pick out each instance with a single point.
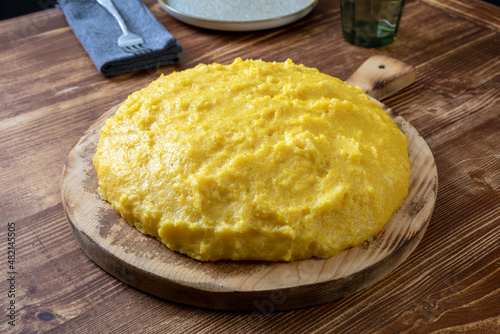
(98, 32)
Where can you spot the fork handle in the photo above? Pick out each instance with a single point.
(108, 4)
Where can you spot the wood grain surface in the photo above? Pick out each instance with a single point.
(381, 76)
(143, 262)
(51, 93)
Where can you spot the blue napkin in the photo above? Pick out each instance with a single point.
(98, 32)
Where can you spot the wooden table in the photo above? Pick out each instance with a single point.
(50, 93)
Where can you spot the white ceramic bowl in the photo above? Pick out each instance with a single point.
(237, 25)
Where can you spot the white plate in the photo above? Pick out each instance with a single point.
(237, 25)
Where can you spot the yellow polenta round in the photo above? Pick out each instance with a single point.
(253, 161)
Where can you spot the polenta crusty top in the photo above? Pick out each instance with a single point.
(253, 161)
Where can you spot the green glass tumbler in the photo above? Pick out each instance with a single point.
(371, 23)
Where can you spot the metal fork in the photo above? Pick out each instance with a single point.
(129, 42)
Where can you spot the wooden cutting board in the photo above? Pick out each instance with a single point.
(263, 287)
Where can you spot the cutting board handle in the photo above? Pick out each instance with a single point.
(381, 76)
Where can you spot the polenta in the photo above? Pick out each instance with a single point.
(253, 161)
